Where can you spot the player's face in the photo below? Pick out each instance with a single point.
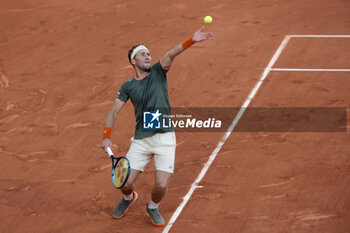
(143, 60)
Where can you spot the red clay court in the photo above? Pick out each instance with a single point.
(62, 62)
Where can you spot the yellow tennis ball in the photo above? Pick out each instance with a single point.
(208, 19)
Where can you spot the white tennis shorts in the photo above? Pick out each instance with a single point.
(160, 146)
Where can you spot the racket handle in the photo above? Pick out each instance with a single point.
(109, 151)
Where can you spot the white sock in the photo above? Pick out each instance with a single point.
(129, 197)
(152, 205)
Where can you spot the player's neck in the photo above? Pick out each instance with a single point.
(141, 74)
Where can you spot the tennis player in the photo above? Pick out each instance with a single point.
(148, 91)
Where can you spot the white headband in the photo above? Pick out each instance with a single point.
(138, 48)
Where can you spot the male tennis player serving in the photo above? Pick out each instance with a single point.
(148, 90)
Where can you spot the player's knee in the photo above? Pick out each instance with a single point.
(128, 186)
(161, 188)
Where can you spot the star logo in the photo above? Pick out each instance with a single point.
(156, 115)
(151, 120)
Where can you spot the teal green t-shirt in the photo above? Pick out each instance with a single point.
(148, 95)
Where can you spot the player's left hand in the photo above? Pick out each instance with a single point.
(199, 36)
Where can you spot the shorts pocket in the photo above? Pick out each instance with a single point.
(167, 139)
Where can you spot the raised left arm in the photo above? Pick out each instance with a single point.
(169, 57)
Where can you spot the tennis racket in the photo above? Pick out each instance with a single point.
(120, 169)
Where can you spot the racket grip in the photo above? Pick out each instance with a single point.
(109, 151)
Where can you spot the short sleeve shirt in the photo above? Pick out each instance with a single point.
(147, 95)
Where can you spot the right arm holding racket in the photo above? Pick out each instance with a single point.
(109, 123)
(121, 166)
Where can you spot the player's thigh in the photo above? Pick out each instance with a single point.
(139, 154)
(162, 178)
(164, 152)
(132, 177)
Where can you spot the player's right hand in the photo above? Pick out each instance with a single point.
(106, 143)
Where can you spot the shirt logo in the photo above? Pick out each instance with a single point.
(151, 120)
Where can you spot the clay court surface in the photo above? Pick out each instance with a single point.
(62, 63)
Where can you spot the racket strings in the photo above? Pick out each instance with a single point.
(121, 173)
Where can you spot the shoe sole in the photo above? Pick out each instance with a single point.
(135, 198)
(156, 224)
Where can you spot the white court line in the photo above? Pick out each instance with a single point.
(320, 36)
(227, 134)
(292, 69)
